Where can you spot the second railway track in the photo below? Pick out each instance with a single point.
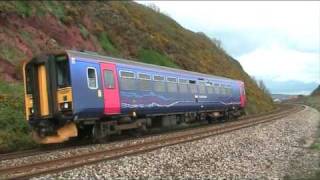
(61, 164)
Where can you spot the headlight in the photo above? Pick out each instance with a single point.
(66, 105)
(31, 110)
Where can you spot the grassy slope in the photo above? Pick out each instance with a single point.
(14, 132)
(122, 29)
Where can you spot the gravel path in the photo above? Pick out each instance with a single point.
(266, 151)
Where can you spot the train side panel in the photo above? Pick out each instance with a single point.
(155, 102)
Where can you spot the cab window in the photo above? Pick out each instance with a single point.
(62, 71)
(29, 79)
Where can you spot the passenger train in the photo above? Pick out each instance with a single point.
(72, 94)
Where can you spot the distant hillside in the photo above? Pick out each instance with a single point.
(283, 96)
(121, 29)
(290, 87)
(316, 92)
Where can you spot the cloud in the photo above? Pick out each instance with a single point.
(271, 39)
(282, 64)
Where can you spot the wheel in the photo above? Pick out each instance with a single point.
(98, 134)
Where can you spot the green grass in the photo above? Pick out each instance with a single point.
(15, 132)
(23, 8)
(316, 146)
(57, 9)
(84, 32)
(10, 53)
(153, 57)
(106, 44)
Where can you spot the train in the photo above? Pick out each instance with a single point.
(72, 94)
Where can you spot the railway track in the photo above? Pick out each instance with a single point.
(77, 144)
(57, 165)
(41, 150)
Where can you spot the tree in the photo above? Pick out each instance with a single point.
(263, 87)
(154, 7)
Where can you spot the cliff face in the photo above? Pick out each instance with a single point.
(121, 29)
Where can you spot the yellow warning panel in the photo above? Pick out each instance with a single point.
(64, 95)
(64, 133)
(43, 91)
(28, 104)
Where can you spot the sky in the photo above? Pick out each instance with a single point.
(277, 42)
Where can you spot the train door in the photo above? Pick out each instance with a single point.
(242, 95)
(110, 88)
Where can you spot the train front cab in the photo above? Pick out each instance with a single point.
(48, 98)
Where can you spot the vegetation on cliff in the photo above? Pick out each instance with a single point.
(316, 92)
(121, 29)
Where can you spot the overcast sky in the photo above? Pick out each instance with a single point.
(274, 41)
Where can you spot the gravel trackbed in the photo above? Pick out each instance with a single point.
(267, 151)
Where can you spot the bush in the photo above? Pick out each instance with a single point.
(23, 8)
(106, 44)
(15, 132)
(153, 57)
(84, 32)
(56, 8)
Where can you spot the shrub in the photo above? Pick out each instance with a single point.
(23, 8)
(15, 132)
(10, 53)
(55, 8)
(106, 44)
(84, 32)
(153, 57)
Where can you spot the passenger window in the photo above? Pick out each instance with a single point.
(127, 84)
(126, 74)
(210, 89)
(92, 78)
(144, 85)
(159, 86)
(127, 80)
(108, 79)
(193, 86)
(144, 76)
(230, 91)
(172, 84)
(144, 82)
(158, 78)
(216, 89)
(202, 88)
(183, 86)
(222, 90)
(183, 81)
(172, 79)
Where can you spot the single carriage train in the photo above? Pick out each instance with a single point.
(73, 93)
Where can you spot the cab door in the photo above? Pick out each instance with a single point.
(110, 89)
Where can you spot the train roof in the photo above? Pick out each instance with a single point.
(92, 55)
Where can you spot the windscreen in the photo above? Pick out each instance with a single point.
(29, 79)
(62, 67)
